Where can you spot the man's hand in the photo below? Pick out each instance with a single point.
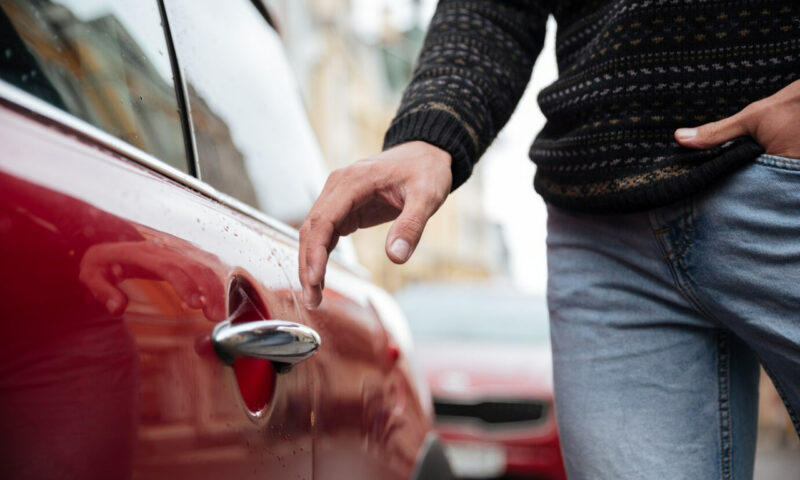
(408, 182)
(773, 122)
(188, 270)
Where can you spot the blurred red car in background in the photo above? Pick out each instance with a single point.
(485, 352)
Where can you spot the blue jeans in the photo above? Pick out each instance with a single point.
(659, 321)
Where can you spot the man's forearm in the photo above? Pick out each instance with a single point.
(472, 71)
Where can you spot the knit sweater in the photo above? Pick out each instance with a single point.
(630, 73)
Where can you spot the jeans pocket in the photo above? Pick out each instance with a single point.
(779, 162)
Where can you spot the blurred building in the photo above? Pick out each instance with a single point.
(352, 68)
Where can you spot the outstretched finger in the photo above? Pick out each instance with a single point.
(319, 234)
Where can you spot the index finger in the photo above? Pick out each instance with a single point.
(319, 232)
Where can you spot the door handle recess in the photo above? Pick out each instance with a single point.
(285, 343)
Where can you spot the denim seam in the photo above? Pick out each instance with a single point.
(675, 261)
(684, 280)
(677, 266)
(670, 251)
(723, 403)
(685, 284)
(783, 163)
(663, 245)
(679, 245)
(688, 231)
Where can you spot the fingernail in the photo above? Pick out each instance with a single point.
(112, 305)
(400, 249)
(686, 133)
(307, 300)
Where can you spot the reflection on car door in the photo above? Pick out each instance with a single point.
(125, 273)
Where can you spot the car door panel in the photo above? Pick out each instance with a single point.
(253, 141)
(138, 384)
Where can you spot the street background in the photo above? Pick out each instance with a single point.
(352, 59)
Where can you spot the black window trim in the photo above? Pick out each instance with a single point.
(262, 9)
(353, 265)
(179, 84)
(182, 91)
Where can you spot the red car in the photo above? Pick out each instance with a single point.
(485, 352)
(154, 156)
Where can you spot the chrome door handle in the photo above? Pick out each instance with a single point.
(285, 343)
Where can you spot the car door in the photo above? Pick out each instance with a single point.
(118, 264)
(248, 123)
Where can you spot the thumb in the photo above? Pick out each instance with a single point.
(712, 134)
(103, 286)
(406, 231)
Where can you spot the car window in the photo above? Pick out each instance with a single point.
(253, 139)
(104, 61)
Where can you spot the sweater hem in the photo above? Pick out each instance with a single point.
(696, 179)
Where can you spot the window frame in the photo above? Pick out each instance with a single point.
(181, 95)
(19, 100)
(191, 141)
(16, 97)
(262, 15)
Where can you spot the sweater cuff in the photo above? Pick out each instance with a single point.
(440, 129)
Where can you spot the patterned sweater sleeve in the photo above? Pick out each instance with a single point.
(474, 65)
